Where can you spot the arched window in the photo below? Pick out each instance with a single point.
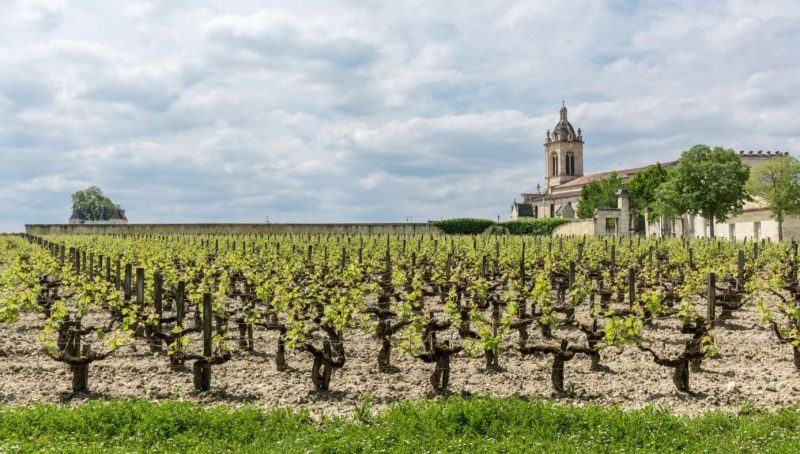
(570, 163)
(554, 164)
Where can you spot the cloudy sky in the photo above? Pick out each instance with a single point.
(368, 110)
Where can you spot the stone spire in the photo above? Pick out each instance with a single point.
(563, 152)
(563, 130)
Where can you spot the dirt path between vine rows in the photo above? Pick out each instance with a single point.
(752, 369)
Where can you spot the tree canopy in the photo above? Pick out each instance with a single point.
(643, 187)
(777, 182)
(599, 194)
(705, 181)
(91, 202)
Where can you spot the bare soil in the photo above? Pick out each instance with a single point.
(752, 368)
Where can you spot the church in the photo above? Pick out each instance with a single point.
(564, 179)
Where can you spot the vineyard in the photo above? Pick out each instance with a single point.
(328, 321)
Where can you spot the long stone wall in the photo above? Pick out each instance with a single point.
(234, 229)
(576, 227)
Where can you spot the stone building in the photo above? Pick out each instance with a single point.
(564, 179)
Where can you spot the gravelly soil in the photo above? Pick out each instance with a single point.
(753, 368)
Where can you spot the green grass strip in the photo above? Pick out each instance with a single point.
(453, 425)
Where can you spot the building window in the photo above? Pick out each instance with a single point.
(552, 210)
(536, 211)
(554, 164)
(570, 164)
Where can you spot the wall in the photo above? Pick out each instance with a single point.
(233, 229)
(600, 217)
(577, 228)
(744, 226)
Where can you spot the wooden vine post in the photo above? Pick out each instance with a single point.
(127, 283)
(740, 270)
(711, 298)
(631, 286)
(202, 367)
(180, 314)
(155, 341)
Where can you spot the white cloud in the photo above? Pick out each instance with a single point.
(303, 111)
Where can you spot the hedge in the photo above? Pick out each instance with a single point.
(463, 226)
(471, 226)
(542, 226)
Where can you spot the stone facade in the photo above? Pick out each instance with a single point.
(563, 164)
(563, 153)
(564, 179)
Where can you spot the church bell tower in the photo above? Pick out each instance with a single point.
(563, 153)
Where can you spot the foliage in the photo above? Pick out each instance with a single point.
(525, 226)
(643, 187)
(443, 425)
(623, 331)
(777, 182)
(477, 292)
(91, 202)
(534, 226)
(599, 194)
(463, 226)
(705, 181)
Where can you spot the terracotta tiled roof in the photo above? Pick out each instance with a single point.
(624, 173)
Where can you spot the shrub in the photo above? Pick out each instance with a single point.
(463, 226)
(543, 226)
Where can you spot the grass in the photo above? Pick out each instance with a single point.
(451, 425)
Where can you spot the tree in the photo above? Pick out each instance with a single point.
(643, 186)
(705, 181)
(599, 194)
(91, 202)
(777, 181)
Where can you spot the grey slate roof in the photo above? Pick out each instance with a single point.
(77, 215)
(524, 210)
(118, 214)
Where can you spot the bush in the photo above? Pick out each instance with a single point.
(543, 226)
(463, 226)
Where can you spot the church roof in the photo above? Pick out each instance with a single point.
(762, 154)
(524, 210)
(565, 211)
(624, 173)
(563, 131)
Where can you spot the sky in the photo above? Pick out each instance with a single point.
(361, 110)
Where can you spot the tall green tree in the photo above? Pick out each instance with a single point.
(91, 202)
(706, 181)
(599, 194)
(777, 182)
(642, 188)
